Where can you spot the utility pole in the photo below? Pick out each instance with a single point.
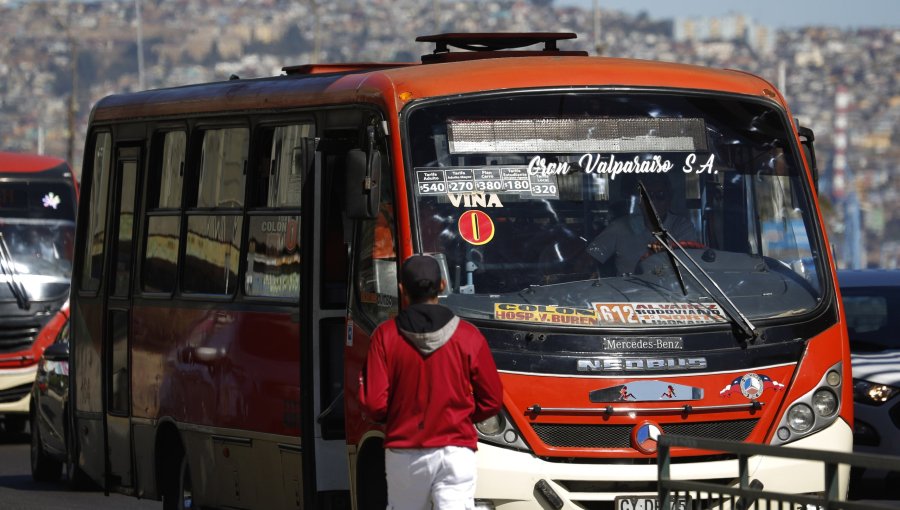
(598, 46)
(436, 10)
(317, 31)
(73, 101)
(72, 113)
(140, 44)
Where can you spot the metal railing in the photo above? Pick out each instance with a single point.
(696, 494)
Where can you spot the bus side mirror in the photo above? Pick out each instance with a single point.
(807, 137)
(363, 184)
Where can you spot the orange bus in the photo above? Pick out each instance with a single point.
(38, 197)
(640, 243)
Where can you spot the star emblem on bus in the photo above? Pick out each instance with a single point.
(645, 437)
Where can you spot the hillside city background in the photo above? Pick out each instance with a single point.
(50, 49)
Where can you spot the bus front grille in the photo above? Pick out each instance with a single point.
(15, 393)
(619, 436)
(15, 338)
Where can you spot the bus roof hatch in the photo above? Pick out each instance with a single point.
(492, 45)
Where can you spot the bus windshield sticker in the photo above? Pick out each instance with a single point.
(476, 227)
(654, 314)
(548, 314)
(516, 180)
(51, 199)
(646, 391)
(469, 200)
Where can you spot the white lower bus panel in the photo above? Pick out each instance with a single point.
(508, 479)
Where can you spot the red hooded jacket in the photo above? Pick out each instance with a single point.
(430, 387)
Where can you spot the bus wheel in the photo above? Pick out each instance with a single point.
(177, 488)
(44, 468)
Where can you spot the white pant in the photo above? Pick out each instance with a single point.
(418, 478)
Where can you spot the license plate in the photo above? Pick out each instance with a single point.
(649, 503)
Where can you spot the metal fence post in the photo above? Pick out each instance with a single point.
(663, 461)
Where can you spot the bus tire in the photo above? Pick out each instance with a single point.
(177, 492)
(371, 482)
(44, 468)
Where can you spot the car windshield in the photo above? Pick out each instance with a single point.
(532, 204)
(873, 317)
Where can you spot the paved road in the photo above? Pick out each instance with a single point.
(19, 492)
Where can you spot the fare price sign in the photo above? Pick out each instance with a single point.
(511, 180)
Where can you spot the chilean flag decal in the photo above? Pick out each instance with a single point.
(751, 385)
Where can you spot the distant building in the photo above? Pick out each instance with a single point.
(735, 27)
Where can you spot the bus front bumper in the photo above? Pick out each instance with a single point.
(513, 480)
(15, 389)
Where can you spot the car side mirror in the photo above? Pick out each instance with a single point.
(57, 352)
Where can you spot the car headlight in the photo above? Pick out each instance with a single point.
(824, 402)
(500, 431)
(800, 418)
(874, 394)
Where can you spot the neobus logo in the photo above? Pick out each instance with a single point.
(640, 364)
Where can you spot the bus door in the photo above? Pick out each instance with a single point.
(324, 304)
(117, 331)
(325, 300)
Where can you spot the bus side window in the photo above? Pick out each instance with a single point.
(96, 235)
(214, 233)
(376, 256)
(273, 244)
(160, 258)
(223, 163)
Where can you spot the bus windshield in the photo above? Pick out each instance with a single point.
(532, 203)
(40, 247)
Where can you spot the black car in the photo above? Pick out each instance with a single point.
(52, 444)
(871, 302)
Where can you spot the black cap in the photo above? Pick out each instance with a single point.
(421, 277)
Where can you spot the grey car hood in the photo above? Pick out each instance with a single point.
(878, 367)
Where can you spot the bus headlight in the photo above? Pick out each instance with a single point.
(824, 402)
(800, 418)
(813, 411)
(499, 430)
(492, 426)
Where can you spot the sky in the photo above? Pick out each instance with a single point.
(774, 13)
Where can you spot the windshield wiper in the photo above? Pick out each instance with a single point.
(663, 236)
(8, 267)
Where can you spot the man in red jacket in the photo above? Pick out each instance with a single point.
(430, 376)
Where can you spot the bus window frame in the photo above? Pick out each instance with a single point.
(250, 211)
(78, 260)
(190, 190)
(156, 139)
